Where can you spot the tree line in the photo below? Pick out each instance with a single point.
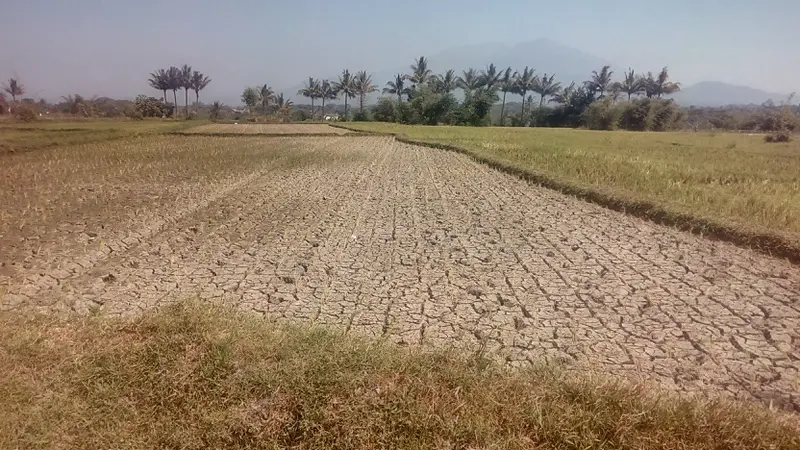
(425, 97)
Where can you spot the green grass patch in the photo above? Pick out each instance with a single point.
(199, 376)
(734, 186)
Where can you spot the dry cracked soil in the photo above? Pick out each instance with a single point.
(420, 245)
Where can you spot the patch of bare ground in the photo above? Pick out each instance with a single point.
(418, 245)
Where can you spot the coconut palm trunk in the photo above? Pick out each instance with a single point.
(503, 108)
(323, 107)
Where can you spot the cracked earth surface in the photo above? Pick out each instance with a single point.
(425, 247)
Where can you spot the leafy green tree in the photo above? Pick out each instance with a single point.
(199, 82)
(524, 83)
(445, 84)
(600, 82)
(385, 110)
(431, 108)
(470, 80)
(326, 92)
(251, 98)
(396, 87)
(363, 86)
(346, 88)
(491, 77)
(632, 84)
(546, 87)
(265, 95)
(477, 105)
(159, 80)
(420, 73)
(186, 84)
(506, 86)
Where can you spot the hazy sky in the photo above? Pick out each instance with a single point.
(109, 47)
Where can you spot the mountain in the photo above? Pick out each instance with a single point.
(717, 93)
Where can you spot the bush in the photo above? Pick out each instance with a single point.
(602, 115)
(385, 110)
(25, 113)
(651, 114)
(152, 107)
(780, 136)
(361, 116)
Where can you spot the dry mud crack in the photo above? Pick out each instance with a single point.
(428, 247)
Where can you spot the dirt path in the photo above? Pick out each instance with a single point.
(426, 246)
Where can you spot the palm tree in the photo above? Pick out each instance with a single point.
(600, 82)
(186, 84)
(396, 87)
(506, 85)
(546, 87)
(632, 85)
(470, 80)
(174, 82)
(285, 106)
(326, 92)
(524, 83)
(490, 77)
(265, 94)
(14, 88)
(346, 87)
(216, 110)
(310, 90)
(660, 85)
(445, 84)
(199, 82)
(159, 80)
(420, 73)
(363, 86)
(565, 96)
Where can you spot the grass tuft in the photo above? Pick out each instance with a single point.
(194, 375)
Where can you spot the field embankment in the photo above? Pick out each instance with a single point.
(730, 186)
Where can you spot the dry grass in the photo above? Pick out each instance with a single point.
(19, 137)
(732, 185)
(110, 188)
(192, 376)
(267, 129)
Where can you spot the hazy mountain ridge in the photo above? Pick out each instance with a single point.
(568, 65)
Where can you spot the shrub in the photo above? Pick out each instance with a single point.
(25, 113)
(385, 110)
(152, 107)
(602, 115)
(780, 136)
(361, 116)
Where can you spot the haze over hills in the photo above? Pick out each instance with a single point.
(568, 64)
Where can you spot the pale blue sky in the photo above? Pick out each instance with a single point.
(108, 47)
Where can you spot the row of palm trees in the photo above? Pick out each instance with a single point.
(492, 80)
(261, 97)
(347, 86)
(177, 78)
